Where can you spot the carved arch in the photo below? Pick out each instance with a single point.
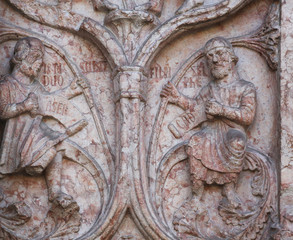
(9, 32)
(193, 19)
(68, 20)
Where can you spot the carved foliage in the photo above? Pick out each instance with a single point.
(134, 38)
(266, 39)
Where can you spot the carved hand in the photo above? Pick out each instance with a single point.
(213, 108)
(31, 103)
(171, 92)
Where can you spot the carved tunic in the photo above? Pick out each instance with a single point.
(24, 135)
(217, 151)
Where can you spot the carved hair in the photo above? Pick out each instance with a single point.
(220, 42)
(23, 47)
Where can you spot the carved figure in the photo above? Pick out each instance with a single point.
(28, 143)
(188, 5)
(217, 151)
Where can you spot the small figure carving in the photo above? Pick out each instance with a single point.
(188, 5)
(28, 143)
(225, 109)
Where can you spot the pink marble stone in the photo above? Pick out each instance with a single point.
(114, 167)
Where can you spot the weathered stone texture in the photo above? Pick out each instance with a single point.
(146, 119)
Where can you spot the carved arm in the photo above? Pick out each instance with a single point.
(75, 88)
(30, 104)
(244, 114)
(170, 92)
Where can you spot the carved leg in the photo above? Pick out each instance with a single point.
(231, 195)
(40, 165)
(197, 186)
(186, 214)
(53, 179)
(53, 176)
(188, 5)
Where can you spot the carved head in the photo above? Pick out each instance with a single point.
(220, 57)
(28, 56)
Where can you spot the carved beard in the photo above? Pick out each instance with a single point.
(29, 70)
(219, 71)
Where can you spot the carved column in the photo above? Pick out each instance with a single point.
(146, 119)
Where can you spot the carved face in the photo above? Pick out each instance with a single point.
(219, 62)
(31, 66)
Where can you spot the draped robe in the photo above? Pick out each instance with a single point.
(24, 136)
(217, 151)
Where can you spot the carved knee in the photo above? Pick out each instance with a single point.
(236, 140)
(34, 170)
(37, 167)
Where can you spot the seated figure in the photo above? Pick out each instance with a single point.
(28, 143)
(216, 152)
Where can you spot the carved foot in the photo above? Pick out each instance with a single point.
(233, 201)
(63, 218)
(234, 212)
(185, 216)
(21, 210)
(65, 201)
(12, 215)
(231, 205)
(188, 5)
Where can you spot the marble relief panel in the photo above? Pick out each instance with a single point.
(140, 119)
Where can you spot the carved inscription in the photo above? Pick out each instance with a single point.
(218, 150)
(53, 74)
(159, 72)
(93, 66)
(197, 71)
(186, 158)
(21, 93)
(57, 107)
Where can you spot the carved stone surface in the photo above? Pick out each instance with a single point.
(145, 119)
(286, 127)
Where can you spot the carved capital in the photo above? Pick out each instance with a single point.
(128, 82)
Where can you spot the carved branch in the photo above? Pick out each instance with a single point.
(54, 16)
(64, 18)
(265, 40)
(192, 19)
